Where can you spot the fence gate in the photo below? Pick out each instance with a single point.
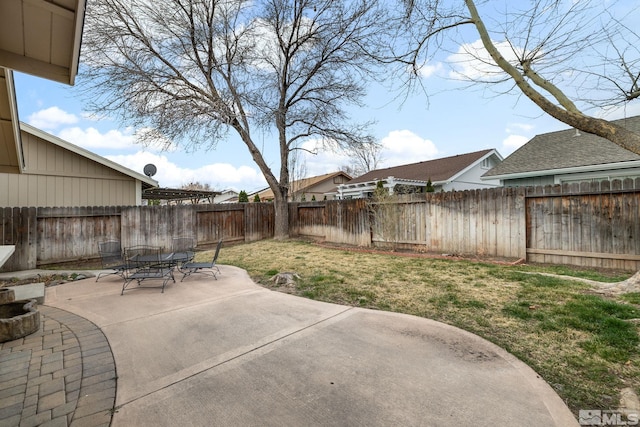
(590, 224)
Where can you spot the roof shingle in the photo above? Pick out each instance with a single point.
(566, 149)
(435, 170)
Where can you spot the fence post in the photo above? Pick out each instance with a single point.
(20, 230)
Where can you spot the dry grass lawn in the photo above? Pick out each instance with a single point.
(585, 346)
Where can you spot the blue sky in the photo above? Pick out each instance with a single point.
(455, 118)
(454, 122)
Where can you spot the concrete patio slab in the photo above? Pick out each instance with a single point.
(229, 352)
(31, 291)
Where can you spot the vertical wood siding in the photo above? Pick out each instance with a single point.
(59, 177)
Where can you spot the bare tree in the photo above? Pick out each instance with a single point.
(364, 158)
(546, 51)
(189, 71)
(197, 186)
(297, 172)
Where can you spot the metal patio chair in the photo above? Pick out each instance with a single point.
(184, 247)
(207, 268)
(111, 258)
(145, 263)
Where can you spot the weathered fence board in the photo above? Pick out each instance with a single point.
(347, 222)
(478, 222)
(259, 221)
(215, 222)
(588, 224)
(19, 230)
(308, 219)
(70, 234)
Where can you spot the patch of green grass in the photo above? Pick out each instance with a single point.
(522, 310)
(631, 298)
(319, 279)
(584, 273)
(613, 337)
(536, 280)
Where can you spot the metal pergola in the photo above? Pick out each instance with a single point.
(178, 195)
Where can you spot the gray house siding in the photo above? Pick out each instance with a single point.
(57, 176)
(527, 182)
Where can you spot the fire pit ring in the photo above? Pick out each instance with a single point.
(7, 295)
(17, 318)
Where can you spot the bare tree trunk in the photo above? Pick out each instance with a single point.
(632, 284)
(281, 226)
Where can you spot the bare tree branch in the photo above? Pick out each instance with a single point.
(545, 46)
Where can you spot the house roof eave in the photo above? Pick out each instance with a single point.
(53, 55)
(472, 165)
(88, 154)
(10, 139)
(577, 169)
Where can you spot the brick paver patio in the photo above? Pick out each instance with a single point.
(62, 375)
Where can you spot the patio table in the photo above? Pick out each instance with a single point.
(145, 263)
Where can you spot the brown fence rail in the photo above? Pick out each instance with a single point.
(586, 224)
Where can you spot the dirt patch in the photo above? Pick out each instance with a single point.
(48, 280)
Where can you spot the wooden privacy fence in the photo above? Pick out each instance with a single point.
(587, 224)
(591, 224)
(45, 236)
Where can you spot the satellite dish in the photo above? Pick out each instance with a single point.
(150, 170)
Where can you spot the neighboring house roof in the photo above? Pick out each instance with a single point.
(567, 151)
(226, 196)
(146, 181)
(438, 170)
(304, 185)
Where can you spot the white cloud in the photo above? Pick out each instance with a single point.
(513, 142)
(51, 118)
(519, 127)
(427, 70)
(514, 139)
(398, 147)
(218, 175)
(403, 146)
(326, 160)
(113, 139)
(473, 62)
(92, 138)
